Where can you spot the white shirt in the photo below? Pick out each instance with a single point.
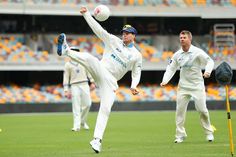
(75, 73)
(190, 64)
(117, 58)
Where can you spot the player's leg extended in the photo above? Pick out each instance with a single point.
(91, 63)
(107, 100)
(76, 105)
(182, 102)
(85, 104)
(200, 104)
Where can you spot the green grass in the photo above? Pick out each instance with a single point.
(128, 134)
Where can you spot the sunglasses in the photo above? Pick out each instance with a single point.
(127, 26)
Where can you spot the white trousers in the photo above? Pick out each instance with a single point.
(106, 83)
(81, 102)
(183, 98)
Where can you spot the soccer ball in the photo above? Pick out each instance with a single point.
(101, 12)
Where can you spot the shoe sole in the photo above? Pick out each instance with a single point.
(96, 151)
(180, 141)
(60, 41)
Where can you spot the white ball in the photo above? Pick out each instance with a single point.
(101, 12)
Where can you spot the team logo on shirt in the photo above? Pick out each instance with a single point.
(117, 59)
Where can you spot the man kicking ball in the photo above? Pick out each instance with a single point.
(120, 56)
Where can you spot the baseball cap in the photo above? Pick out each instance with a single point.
(130, 29)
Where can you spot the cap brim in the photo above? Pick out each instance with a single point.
(129, 31)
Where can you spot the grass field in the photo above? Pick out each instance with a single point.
(128, 134)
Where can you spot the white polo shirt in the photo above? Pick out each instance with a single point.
(117, 58)
(190, 64)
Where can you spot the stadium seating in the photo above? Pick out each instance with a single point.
(37, 93)
(14, 50)
(149, 50)
(178, 3)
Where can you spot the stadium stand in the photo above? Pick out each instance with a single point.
(36, 93)
(131, 2)
(15, 50)
(36, 49)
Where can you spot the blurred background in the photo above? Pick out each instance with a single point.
(31, 73)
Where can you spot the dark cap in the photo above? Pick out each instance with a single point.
(130, 29)
(223, 74)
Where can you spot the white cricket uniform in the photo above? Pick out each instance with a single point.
(117, 60)
(191, 84)
(76, 77)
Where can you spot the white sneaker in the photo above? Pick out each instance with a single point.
(62, 46)
(180, 139)
(96, 145)
(75, 129)
(210, 137)
(85, 126)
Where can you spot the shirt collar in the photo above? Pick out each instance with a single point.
(189, 50)
(130, 45)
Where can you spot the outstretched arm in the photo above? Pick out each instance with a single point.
(95, 26)
(170, 71)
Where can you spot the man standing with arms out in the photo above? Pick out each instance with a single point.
(191, 84)
(76, 77)
(119, 57)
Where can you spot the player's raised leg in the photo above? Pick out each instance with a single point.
(90, 62)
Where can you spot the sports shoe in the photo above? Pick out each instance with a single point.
(180, 139)
(210, 137)
(96, 145)
(85, 126)
(75, 129)
(62, 46)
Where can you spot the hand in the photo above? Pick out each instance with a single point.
(134, 91)
(206, 75)
(92, 86)
(83, 10)
(162, 84)
(68, 94)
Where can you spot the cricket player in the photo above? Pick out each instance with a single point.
(190, 59)
(77, 78)
(119, 57)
